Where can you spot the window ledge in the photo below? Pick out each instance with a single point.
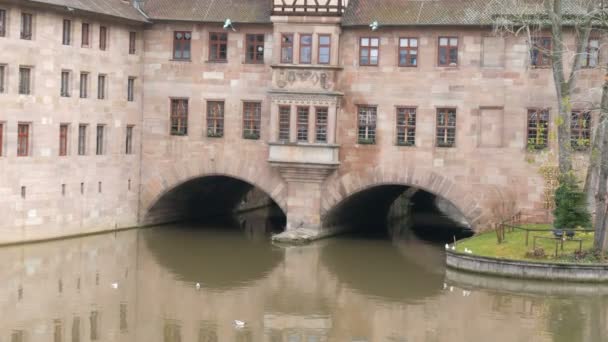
(221, 61)
(306, 66)
(180, 60)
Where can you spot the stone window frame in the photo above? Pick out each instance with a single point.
(2, 125)
(100, 139)
(85, 35)
(64, 132)
(255, 43)
(321, 46)
(405, 128)
(178, 120)
(26, 83)
(368, 126)
(321, 124)
(182, 44)
(287, 45)
(216, 113)
(66, 36)
(220, 41)
(26, 26)
(84, 85)
(103, 38)
(24, 141)
(532, 136)
(66, 83)
(580, 130)
(284, 133)
(369, 48)
(130, 129)
(408, 49)
(3, 22)
(131, 88)
(252, 120)
(102, 86)
(3, 78)
(445, 131)
(82, 139)
(302, 46)
(132, 42)
(539, 58)
(449, 48)
(590, 50)
(302, 123)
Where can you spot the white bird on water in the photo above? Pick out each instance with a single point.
(239, 324)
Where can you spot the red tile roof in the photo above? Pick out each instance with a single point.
(115, 8)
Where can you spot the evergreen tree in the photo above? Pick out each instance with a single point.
(570, 205)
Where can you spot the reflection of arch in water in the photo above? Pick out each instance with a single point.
(224, 253)
(375, 268)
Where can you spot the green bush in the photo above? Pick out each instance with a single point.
(570, 205)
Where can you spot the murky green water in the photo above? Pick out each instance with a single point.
(141, 286)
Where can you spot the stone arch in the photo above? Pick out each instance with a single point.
(156, 185)
(468, 202)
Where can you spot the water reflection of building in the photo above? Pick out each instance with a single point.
(64, 291)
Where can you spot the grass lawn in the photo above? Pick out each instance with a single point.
(514, 246)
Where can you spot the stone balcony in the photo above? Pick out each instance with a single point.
(304, 161)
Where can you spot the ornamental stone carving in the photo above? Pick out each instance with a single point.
(304, 79)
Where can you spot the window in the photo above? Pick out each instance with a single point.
(538, 126)
(284, 123)
(82, 139)
(541, 52)
(179, 117)
(129, 140)
(448, 51)
(218, 47)
(408, 52)
(369, 50)
(94, 323)
(1, 137)
(324, 48)
(446, 127)
(99, 148)
(255, 48)
(580, 130)
(305, 48)
(406, 126)
(25, 80)
(65, 84)
(2, 23)
(131, 89)
(286, 48)
(67, 32)
(215, 119)
(2, 77)
(367, 124)
(101, 87)
(103, 38)
(592, 55)
(181, 45)
(302, 124)
(321, 124)
(85, 39)
(23, 139)
(26, 26)
(252, 116)
(63, 139)
(84, 85)
(132, 41)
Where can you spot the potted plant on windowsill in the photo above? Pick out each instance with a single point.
(211, 134)
(251, 135)
(405, 143)
(366, 141)
(445, 144)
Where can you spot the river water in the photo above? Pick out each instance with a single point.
(141, 286)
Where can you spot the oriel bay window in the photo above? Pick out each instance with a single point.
(179, 117)
(284, 123)
(181, 45)
(324, 48)
(254, 48)
(63, 139)
(215, 119)
(446, 127)
(321, 114)
(538, 127)
(448, 51)
(366, 131)
(23, 139)
(580, 130)
(406, 126)
(218, 46)
(302, 123)
(286, 48)
(252, 115)
(369, 50)
(408, 52)
(540, 52)
(305, 48)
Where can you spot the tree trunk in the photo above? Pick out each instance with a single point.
(601, 237)
(591, 179)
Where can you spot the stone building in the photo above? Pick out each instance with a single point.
(118, 113)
